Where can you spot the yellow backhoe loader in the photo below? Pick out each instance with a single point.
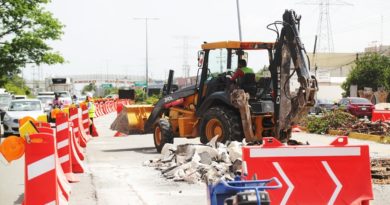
(217, 106)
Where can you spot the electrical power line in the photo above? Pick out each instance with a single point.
(324, 27)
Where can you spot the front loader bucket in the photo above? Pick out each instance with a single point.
(132, 119)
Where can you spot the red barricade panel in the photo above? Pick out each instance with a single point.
(383, 115)
(334, 174)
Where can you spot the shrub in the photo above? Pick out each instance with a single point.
(330, 120)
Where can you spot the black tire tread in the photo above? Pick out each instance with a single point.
(228, 115)
(166, 134)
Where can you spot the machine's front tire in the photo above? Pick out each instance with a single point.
(221, 121)
(162, 134)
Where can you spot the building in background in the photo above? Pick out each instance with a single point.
(331, 70)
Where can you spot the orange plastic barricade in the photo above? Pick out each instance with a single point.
(42, 124)
(26, 119)
(41, 182)
(383, 115)
(85, 119)
(333, 174)
(80, 137)
(64, 150)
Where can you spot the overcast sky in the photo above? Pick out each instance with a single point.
(101, 36)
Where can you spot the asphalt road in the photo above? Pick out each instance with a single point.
(115, 174)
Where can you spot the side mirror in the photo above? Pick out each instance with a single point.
(200, 58)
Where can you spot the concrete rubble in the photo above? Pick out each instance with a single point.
(195, 163)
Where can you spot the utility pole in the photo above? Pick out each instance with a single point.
(239, 20)
(146, 19)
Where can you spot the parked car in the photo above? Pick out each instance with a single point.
(323, 105)
(19, 109)
(359, 107)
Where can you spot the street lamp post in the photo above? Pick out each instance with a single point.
(146, 19)
(239, 20)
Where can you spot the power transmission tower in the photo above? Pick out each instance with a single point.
(324, 27)
(185, 66)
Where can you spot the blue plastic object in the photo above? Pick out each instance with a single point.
(223, 189)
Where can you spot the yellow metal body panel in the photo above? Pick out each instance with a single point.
(259, 128)
(186, 126)
(137, 116)
(183, 121)
(238, 45)
(190, 100)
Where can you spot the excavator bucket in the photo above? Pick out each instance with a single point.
(132, 119)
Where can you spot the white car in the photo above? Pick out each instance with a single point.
(19, 109)
(47, 101)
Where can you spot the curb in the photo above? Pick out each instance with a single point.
(362, 136)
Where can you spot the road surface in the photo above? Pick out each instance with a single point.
(115, 174)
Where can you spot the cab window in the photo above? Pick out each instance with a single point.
(217, 61)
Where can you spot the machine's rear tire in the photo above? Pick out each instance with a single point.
(221, 121)
(162, 134)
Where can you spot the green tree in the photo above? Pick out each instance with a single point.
(89, 88)
(139, 95)
(16, 85)
(371, 70)
(25, 26)
(109, 91)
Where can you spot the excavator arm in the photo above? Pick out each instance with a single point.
(290, 106)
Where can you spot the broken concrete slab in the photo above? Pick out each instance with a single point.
(194, 163)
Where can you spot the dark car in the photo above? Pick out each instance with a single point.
(359, 107)
(323, 105)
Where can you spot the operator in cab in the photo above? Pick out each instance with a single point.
(242, 69)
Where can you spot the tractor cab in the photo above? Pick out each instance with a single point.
(218, 62)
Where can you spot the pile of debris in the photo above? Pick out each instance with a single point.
(194, 163)
(380, 171)
(345, 123)
(368, 127)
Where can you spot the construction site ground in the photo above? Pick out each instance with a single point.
(115, 174)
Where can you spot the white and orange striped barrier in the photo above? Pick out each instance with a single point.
(63, 137)
(85, 119)
(41, 180)
(81, 137)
